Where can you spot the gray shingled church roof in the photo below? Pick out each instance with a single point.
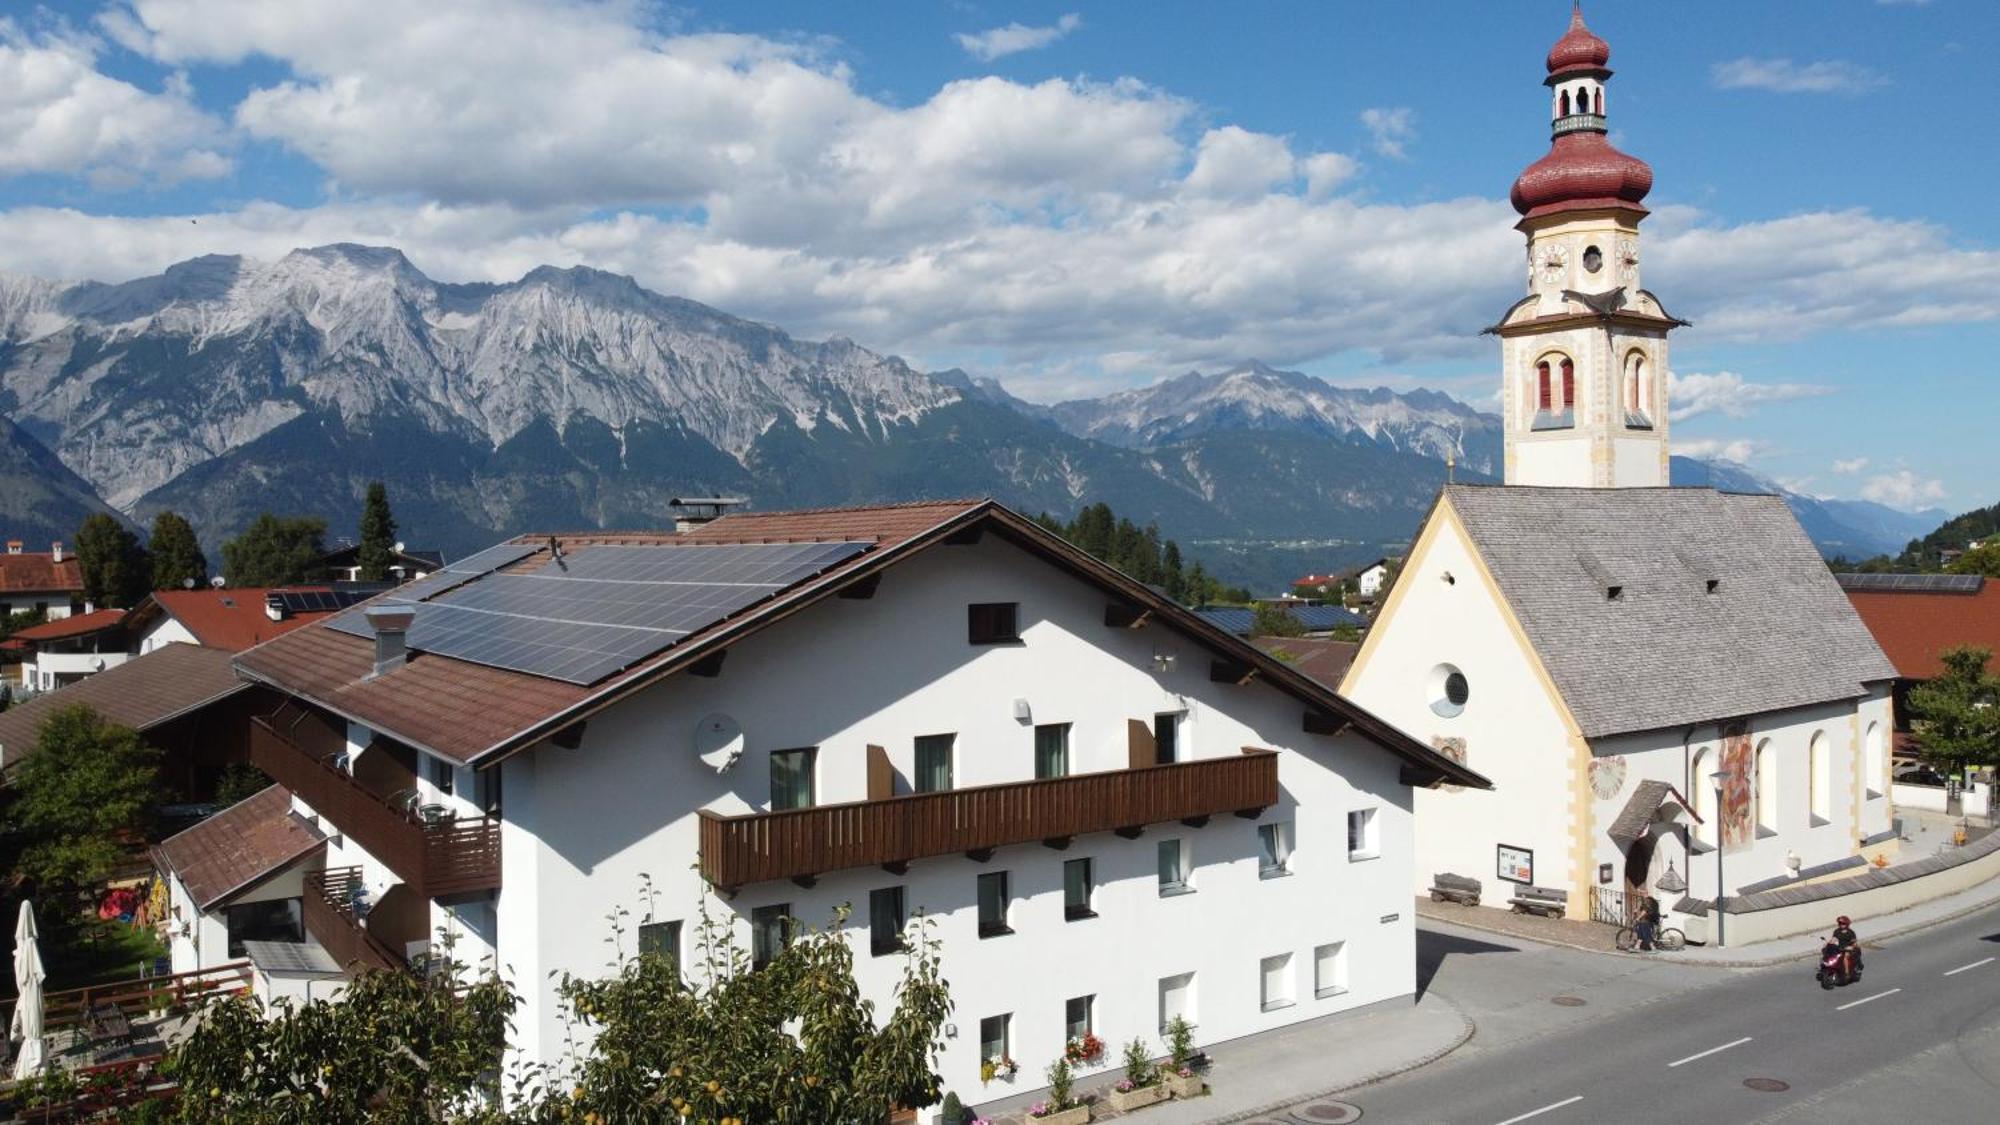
(1722, 607)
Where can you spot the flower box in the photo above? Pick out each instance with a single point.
(1192, 1086)
(1075, 1115)
(1138, 1097)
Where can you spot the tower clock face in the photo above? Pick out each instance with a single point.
(1628, 260)
(1554, 261)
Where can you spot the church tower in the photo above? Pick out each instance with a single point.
(1584, 354)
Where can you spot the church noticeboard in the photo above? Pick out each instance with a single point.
(1516, 865)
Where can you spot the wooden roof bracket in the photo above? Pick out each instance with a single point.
(1121, 615)
(1131, 832)
(1319, 722)
(979, 855)
(1059, 843)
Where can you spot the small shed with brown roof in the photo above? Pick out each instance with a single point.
(234, 851)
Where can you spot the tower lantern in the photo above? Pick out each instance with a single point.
(1585, 352)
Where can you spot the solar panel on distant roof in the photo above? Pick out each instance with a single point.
(602, 608)
(1913, 583)
(315, 601)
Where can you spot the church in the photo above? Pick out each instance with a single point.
(1649, 675)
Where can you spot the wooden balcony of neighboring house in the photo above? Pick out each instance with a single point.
(893, 830)
(341, 917)
(436, 855)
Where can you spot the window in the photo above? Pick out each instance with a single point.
(1767, 788)
(662, 940)
(993, 1038)
(1277, 982)
(1330, 969)
(1544, 396)
(1076, 1017)
(1274, 848)
(792, 778)
(1569, 386)
(993, 623)
(1077, 888)
(1174, 867)
(1704, 795)
(993, 904)
(1593, 258)
(934, 762)
(1052, 750)
(274, 920)
(1822, 779)
(1166, 737)
(885, 921)
(770, 933)
(440, 774)
(1447, 689)
(1873, 783)
(1362, 842)
(1177, 999)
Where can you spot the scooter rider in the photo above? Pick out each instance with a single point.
(1849, 943)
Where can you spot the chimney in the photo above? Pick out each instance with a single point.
(391, 624)
(274, 607)
(55, 550)
(13, 546)
(693, 511)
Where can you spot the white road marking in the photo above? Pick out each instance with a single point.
(1710, 1051)
(1866, 999)
(1974, 965)
(1544, 1109)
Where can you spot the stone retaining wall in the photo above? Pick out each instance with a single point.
(1811, 908)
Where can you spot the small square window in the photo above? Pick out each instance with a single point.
(934, 762)
(1330, 969)
(1274, 848)
(993, 904)
(1174, 867)
(1177, 999)
(1051, 751)
(1276, 991)
(886, 918)
(1166, 737)
(993, 623)
(1076, 1017)
(662, 940)
(994, 1035)
(770, 933)
(1362, 842)
(792, 779)
(1078, 887)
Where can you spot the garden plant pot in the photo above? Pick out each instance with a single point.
(1075, 1115)
(1125, 1101)
(1192, 1086)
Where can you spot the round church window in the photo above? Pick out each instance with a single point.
(1448, 690)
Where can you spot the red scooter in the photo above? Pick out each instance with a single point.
(1836, 966)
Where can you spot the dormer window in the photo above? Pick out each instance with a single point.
(1713, 584)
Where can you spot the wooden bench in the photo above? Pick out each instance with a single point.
(1548, 902)
(1461, 889)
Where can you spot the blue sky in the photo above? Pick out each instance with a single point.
(1080, 197)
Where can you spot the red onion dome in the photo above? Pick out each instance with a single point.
(1582, 171)
(1579, 48)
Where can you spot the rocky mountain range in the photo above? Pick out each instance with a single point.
(575, 398)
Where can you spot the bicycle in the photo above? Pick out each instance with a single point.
(1666, 938)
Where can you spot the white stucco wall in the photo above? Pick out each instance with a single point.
(586, 826)
(166, 631)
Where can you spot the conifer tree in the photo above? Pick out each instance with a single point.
(378, 535)
(177, 559)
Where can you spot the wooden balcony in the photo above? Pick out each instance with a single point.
(440, 857)
(330, 917)
(799, 843)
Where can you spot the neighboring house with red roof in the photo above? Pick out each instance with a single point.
(934, 708)
(69, 648)
(50, 581)
(1916, 617)
(232, 618)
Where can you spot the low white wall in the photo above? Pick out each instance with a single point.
(1929, 798)
(1873, 893)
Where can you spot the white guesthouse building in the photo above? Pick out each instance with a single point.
(1606, 648)
(1112, 812)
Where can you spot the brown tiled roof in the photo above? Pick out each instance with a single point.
(1913, 628)
(472, 713)
(231, 618)
(142, 692)
(1325, 661)
(238, 847)
(75, 625)
(31, 572)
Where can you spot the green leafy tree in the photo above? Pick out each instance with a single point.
(792, 1041)
(115, 569)
(1275, 621)
(177, 557)
(378, 535)
(1956, 716)
(239, 781)
(274, 551)
(393, 1046)
(20, 619)
(1983, 559)
(83, 800)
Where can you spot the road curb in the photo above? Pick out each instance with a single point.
(1466, 1031)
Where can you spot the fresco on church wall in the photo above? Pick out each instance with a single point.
(1738, 829)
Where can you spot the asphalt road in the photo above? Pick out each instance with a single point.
(1916, 1041)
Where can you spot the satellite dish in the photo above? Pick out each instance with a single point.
(215, 582)
(718, 741)
(188, 582)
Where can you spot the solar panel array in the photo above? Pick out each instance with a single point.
(315, 601)
(1914, 583)
(598, 609)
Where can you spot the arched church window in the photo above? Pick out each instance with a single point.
(1565, 103)
(1543, 397)
(1767, 786)
(1635, 391)
(1569, 386)
(1600, 103)
(1704, 796)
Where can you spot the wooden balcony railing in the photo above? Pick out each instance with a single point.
(753, 848)
(448, 856)
(330, 917)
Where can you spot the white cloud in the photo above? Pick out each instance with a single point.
(1234, 163)
(1326, 171)
(1391, 129)
(996, 42)
(1739, 450)
(1903, 489)
(1783, 76)
(60, 114)
(1850, 465)
(1726, 392)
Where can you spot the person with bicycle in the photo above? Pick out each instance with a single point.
(1648, 923)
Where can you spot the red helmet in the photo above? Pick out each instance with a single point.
(1840, 921)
